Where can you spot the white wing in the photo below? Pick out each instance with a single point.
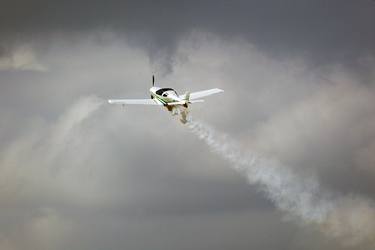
(203, 93)
(133, 101)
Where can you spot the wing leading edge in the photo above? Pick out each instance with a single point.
(203, 93)
(133, 101)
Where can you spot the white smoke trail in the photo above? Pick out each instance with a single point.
(350, 219)
(46, 146)
(63, 130)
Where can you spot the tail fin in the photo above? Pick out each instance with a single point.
(153, 80)
(187, 96)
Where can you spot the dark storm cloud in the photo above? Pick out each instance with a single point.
(324, 31)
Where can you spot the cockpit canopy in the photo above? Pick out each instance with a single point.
(163, 91)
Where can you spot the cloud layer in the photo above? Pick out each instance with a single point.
(79, 174)
(324, 32)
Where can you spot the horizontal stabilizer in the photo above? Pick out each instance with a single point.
(195, 101)
(184, 102)
(176, 103)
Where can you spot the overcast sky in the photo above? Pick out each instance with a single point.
(77, 173)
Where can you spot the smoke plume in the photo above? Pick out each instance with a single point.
(350, 219)
(47, 149)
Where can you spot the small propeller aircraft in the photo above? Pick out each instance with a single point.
(168, 97)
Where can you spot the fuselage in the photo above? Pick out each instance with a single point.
(164, 95)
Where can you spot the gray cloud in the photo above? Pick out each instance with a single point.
(325, 32)
(136, 178)
(22, 58)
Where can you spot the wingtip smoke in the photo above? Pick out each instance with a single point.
(351, 220)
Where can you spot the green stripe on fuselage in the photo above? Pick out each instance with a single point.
(162, 100)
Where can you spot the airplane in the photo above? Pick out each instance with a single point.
(168, 97)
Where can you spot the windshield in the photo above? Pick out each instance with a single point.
(161, 91)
